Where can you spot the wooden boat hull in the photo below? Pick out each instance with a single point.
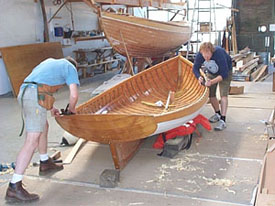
(119, 116)
(141, 37)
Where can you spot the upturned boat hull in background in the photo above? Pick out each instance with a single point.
(141, 37)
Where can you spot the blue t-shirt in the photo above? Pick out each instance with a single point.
(219, 64)
(53, 72)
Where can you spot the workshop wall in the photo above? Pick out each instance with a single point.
(253, 14)
(21, 22)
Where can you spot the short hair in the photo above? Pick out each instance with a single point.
(207, 46)
(71, 60)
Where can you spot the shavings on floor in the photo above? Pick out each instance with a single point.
(219, 182)
(185, 190)
(8, 171)
(231, 191)
(179, 164)
(263, 137)
(136, 203)
(222, 169)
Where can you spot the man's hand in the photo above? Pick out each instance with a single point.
(201, 80)
(55, 112)
(67, 110)
(72, 110)
(208, 83)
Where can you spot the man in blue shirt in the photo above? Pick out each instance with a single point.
(35, 98)
(218, 65)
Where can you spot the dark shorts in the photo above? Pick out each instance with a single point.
(35, 116)
(224, 86)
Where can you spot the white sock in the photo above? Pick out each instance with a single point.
(16, 178)
(44, 157)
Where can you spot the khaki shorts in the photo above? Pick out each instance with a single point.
(224, 86)
(35, 116)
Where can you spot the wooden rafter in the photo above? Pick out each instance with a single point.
(57, 10)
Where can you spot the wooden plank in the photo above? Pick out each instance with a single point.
(248, 64)
(73, 152)
(248, 69)
(247, 58)
(255, 73)
(45, 20)
(262, 71)
(88, 38)
(46, 29)
(20, 60)
(233, 36)
(56, 155)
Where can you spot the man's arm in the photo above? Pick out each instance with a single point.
(197, 65)
(73, 97)
(213, 81)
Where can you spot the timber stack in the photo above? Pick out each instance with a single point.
(248, 67)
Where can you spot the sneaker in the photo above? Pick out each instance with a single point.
(220, 126)
(215, 118)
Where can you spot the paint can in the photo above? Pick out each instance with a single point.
(58, 31)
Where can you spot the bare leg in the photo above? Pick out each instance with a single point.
(43, 140)
(25, 155)
(215, 103)
(224, 105)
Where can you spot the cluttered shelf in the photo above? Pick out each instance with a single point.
(105, 64)
(88, 38)
(103, 58)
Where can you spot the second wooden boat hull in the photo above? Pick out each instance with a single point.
(142, 37)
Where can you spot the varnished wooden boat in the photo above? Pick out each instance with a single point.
(139, 37)
(145, 3)
(123, 115)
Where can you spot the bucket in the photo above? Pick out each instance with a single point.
(58, 31)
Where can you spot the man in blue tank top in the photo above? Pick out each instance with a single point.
(218, 65)
(35, 98)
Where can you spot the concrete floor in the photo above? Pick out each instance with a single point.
(221, 168)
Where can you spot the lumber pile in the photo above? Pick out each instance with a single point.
(248, 67)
